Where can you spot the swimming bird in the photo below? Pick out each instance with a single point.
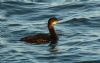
(42, 38)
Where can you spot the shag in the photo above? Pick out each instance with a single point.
(44, 38)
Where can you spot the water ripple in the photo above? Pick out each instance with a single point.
(78, 30)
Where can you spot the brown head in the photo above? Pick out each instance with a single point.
(52, 21)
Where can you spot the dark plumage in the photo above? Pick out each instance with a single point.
(44, 38)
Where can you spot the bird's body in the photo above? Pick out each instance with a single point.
(44, 38)
(39, 38)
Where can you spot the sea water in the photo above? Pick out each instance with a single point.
(78, 31)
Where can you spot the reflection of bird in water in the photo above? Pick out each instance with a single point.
(44, 38)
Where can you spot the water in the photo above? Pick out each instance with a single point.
(78, 31)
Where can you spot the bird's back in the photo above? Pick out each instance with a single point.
(39, 38)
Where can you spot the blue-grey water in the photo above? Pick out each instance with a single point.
(78, 31)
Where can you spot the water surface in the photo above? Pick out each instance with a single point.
(78, 31)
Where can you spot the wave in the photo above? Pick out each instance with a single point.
(48, 1)
(90, 22)
(95, 61)
(51, 3)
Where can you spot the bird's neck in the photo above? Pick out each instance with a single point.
(52, 31)
(53, 35)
